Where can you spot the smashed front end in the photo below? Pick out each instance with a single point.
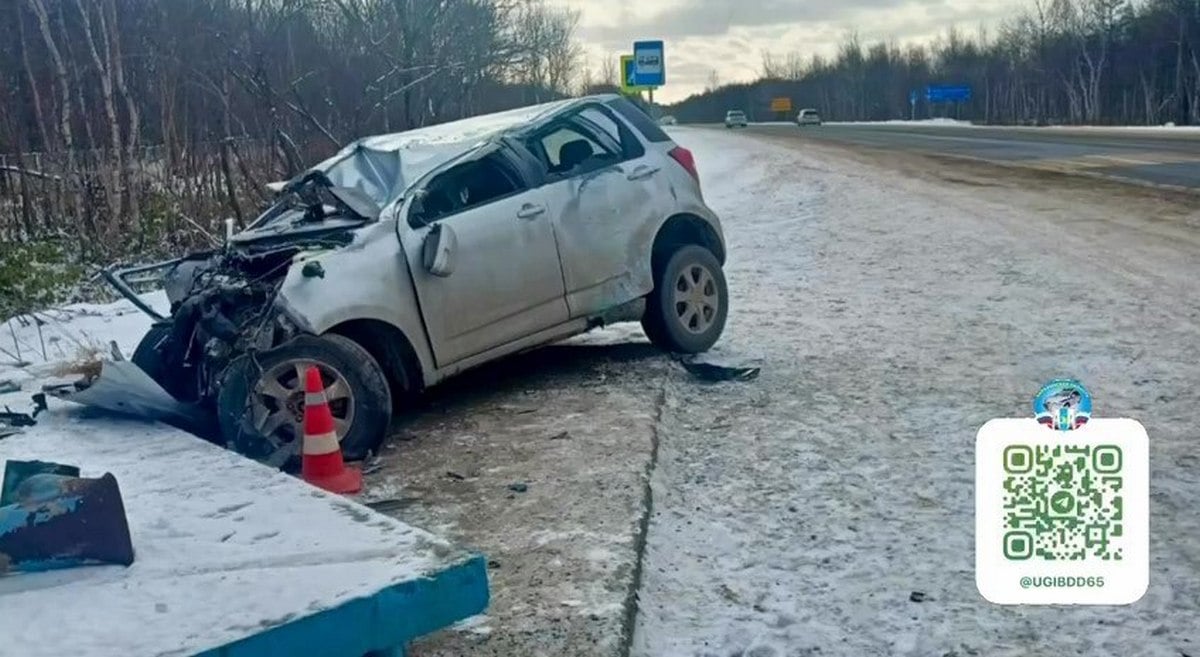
(223, 304)
(225, 307)
(230, 354)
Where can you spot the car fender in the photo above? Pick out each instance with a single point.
(366, 280)
(687, 202)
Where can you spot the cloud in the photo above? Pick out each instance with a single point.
(717, 17)
(730, 36)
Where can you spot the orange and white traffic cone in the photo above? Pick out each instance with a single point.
(321, 464)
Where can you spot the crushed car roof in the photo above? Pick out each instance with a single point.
(384, 166)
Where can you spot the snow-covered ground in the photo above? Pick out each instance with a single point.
(796, 515)
(45, 342)
(952, 123)
(1156, 130)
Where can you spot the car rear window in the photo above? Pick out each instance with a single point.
(639, 120)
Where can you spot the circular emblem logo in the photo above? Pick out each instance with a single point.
(1063, 404)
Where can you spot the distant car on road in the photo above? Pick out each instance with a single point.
(736, 119)
(668, 120)
(808, 117)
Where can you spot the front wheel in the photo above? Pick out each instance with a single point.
(686, 311)
(261, 402)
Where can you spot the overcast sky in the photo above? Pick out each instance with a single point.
(729, 36)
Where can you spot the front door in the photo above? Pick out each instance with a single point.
(506, 282)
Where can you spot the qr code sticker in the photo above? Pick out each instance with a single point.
(1063, 502)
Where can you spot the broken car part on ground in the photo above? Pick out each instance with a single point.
(408, 258)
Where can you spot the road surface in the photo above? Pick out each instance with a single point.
(1144, 156)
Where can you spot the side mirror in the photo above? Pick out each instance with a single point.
(437, 253)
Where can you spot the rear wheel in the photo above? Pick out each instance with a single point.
(261, 402)
(686, 311)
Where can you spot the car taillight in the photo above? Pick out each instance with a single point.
(688, 161)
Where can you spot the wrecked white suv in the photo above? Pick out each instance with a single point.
(408, 258)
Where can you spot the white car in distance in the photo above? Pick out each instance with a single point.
(808, 117)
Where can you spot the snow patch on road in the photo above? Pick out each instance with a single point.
(949, 123)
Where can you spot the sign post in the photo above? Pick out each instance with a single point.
(912, 102)
(649, 66)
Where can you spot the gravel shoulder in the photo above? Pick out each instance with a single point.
(540, 463)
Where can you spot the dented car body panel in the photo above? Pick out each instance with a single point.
(366, 281)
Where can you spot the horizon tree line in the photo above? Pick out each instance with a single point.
(1057, 61)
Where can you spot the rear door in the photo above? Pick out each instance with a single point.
(607, 195)
(506, 283)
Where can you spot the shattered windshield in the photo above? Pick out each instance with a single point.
(383, 175)
(357, 183)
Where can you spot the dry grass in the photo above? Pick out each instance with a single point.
(88, 361)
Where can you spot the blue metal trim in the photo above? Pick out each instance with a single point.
(382, 623)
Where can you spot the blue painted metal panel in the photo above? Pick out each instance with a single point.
(382, 623)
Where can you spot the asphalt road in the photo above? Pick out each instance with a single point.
(1140, 156)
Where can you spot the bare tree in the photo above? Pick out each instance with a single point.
(609, 74)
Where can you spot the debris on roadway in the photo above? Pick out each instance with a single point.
(57, 521)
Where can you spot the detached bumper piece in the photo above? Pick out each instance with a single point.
(60, 521)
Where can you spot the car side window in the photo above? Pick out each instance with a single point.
(467, 186)
(567, 150)
(598, 119)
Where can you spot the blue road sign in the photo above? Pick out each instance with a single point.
(649, 66)
(947, 94)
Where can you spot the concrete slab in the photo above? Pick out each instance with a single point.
(232, 559)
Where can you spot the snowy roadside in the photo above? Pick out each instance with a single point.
(41, 346)
(540, 463)
(798, 515)
(1155, 130)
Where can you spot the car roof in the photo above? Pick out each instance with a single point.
(384, 166)
(477, 128)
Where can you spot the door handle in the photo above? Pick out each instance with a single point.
(529, 211)
(641, 173)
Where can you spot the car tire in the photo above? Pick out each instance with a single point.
(149, 359)
(245, 404)
(686, 311)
